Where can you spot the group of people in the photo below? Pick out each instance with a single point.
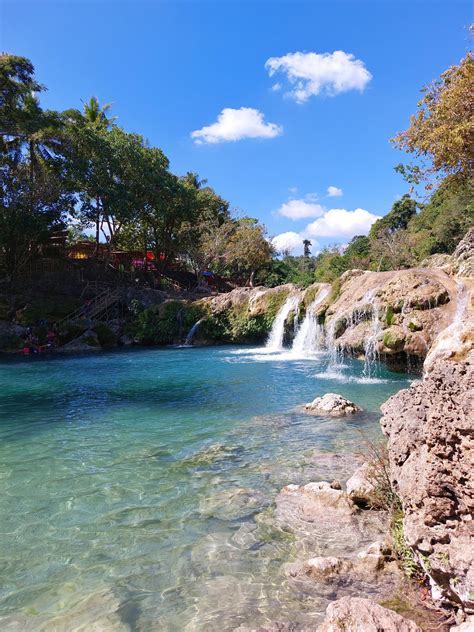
(35, 343)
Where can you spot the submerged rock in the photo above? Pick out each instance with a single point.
(332, 404)
(354, 614)
(212, 454)
(231, 504)
(372, 571)
(325, 521)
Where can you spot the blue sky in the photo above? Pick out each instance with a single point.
(321, 120)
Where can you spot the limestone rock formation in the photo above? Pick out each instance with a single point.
(354, 614)
(397, 313)
(332, 404)
(431, 447)
(360, 487)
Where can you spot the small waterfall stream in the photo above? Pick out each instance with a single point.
(275, 338)
(192, 332)
(310, 334)
(371, 342)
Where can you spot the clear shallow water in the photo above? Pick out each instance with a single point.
(136, 488)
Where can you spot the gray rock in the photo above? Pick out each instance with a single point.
(86, 342)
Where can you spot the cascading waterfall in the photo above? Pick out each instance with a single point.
(371, 352)
(275, 338)
(309, 336)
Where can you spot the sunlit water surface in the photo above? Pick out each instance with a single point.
(130, 484)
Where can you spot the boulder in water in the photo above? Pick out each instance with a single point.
(332, 404)
(363, 615)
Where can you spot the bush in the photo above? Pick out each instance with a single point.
(107, 338)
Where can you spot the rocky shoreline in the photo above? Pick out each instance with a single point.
(421, 316)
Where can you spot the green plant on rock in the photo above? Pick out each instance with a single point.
(390, 316)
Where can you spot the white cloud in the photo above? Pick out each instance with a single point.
(232, 125)
(334, 191)
(277, 87)
(300, 209)
(290, 241)
(293, 243)
(338, 222)
(313, 73)
(293, 190)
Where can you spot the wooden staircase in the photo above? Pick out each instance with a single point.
(96, 309)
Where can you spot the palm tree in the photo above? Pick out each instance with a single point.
(96, 115)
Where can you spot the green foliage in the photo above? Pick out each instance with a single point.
(390, 316)
(107, 338)
(49, 309)
(401, 549)
(167, 323)
(444, 220)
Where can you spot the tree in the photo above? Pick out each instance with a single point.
(34, 195)
(248, 249)
(442, 130)
(95, 115)
(396, 219)
(306, 246)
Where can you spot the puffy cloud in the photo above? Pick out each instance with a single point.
(313, 73)
(290, 241)
(300, 209)
(338, 222)
(334, 191)
(232, 125)
(293, 243)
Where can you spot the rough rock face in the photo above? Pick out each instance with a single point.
(431, 447)
(354, 614)
(332, 404)
(398, 313)
(88, 341)
(360, 488)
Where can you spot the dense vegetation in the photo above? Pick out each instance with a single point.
(79, 170)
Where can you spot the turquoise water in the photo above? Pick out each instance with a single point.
(136, 488)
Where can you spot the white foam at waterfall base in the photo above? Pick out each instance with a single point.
(275, 338)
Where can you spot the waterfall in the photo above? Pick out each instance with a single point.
(275, 338)
(371, 352)
(310, 333)
(192, 332)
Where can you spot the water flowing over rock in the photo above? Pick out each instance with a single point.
(275, 338)
(393, 315)
(332, 404)
(192, 332)
(310, 334)
(354, 614)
